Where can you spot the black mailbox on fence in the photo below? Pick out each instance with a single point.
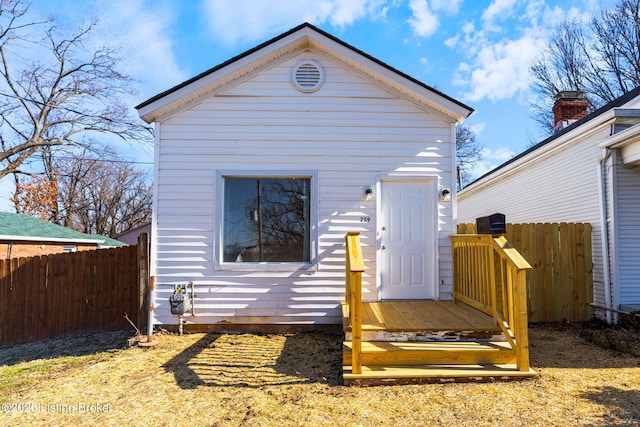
(492, 224)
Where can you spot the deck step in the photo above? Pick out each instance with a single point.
(377, 375)
(384, 353)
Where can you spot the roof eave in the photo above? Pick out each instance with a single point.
(604, 115)
(626, 137)
(537, 151)
(303, 36)
(49, 239)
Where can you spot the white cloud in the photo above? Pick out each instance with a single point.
(491, 159)
(448, 6)
(477, 128)
(499, 8)
(140, 30)
(452, 42)
(494, 66)
(230, 23)
(144, 31)
(502, 68)
(500, 154)
(424, 22)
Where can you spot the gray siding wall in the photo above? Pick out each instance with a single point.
(348, 133)
(627, 222)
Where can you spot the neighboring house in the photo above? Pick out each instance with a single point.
(586, 172)
(131, 237)
(26, 236)
(265, 162)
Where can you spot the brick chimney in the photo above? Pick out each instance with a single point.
(570, 106)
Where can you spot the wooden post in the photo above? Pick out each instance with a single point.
(152, 289)
(355, 267)
(522, 327)
(143, 278)
(356, 326)
(491, 258)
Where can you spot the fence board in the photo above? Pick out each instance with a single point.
(44, 328)
(20, 300)
(59, 295)
(51, 299)
(69, 296)
(561, 282)
(4, 290)
(92, 305)
(31, 303)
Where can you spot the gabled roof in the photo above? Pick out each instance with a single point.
(622, 100)
(20, 227)
(296, 39)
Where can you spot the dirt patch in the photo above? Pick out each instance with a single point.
(624, 337)
(295, 380)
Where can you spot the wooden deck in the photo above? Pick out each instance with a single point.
(428, 341)
(395, 316)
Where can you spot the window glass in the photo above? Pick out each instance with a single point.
(266, 219)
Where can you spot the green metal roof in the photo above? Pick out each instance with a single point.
(25, 227)
(108, 241)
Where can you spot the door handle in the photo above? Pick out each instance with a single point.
(383, 247)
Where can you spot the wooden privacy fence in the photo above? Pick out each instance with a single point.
(58, 295)
(560, 285)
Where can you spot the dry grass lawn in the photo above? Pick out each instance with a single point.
(294, 380)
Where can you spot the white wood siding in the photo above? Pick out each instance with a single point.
(628, 235)
(560, 187)
(350, 132)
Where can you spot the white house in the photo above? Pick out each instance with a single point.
(265, 162)
(586, 172)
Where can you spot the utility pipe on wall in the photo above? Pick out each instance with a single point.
(604, 232)
(152, 288)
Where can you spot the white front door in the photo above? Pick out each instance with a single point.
(407, 230)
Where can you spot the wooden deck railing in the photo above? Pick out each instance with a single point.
(490, 275)
(353, 294)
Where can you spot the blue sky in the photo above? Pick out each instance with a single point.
(477, 51)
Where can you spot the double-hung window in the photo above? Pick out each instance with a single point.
(266, 219)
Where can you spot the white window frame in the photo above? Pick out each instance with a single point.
(265, 266)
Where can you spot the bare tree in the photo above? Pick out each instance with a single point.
(53, 91)
(95, 192)
(601, 58)
(102, 194)
(562, 66)
(468, 152)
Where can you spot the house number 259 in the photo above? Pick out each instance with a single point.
(365, 219)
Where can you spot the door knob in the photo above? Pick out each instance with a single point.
(383, 247)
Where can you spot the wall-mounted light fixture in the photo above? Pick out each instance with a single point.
(368, 194)
(445, 194)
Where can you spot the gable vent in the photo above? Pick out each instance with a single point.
(308, 76)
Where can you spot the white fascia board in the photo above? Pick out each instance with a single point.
(210, 82)
(49, 239)
(623, 138)
(297, 41)
(628, 141)
(561, 142)
(389, 77)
